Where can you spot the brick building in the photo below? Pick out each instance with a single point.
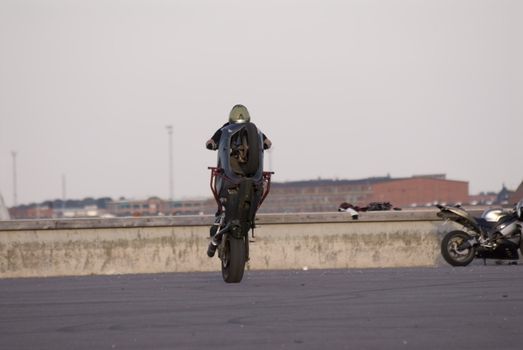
(316, 195)
(420, 191)
(326, 195)
(297, 196)
(32, 211)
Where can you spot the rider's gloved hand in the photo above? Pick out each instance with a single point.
(267, 144)
(211, 144)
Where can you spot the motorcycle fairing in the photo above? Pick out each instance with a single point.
(459, 216)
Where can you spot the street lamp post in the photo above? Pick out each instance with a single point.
(170, 132)
(271, 155)
(64, 196)
(15, 195)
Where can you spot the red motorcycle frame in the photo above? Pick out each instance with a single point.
(216, 172)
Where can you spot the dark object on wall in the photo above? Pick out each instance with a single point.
(373, 206)
(349, 208)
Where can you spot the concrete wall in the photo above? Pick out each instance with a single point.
(179, 244)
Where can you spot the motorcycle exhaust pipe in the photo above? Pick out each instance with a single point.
(216, 240)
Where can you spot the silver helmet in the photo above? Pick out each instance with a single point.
(239, 114)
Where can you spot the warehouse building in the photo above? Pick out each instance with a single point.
(326, 195)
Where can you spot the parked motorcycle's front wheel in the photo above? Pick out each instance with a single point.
(233, 259)
(451, 251)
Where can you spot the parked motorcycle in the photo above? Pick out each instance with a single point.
(496, 234)
(239, 186)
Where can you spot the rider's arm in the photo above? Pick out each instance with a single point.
(210, 144)
(214, 141)
(266, 142)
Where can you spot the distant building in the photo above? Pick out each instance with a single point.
(319, 195)
(503, 196)
(155, 206)
(131, 207)
(423, 190)
(192, 206)
(316, 195)
(326, 195)
(483, 198)
(32, 211)
(88, 211)
(517, 195)
(84, 208)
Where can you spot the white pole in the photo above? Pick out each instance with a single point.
(64, 194)
(271, 155)
(171, 191)
(15, 194)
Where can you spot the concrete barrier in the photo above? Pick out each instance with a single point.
(178, 244)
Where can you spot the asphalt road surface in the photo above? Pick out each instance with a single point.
(476, 307)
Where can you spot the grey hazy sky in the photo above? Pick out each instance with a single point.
(345, 89)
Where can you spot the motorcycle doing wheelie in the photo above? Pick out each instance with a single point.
(496, 234)
(239, 186)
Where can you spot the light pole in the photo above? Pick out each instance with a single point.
(170, 132)
(15, 199)
(64, 196)
(271, 155)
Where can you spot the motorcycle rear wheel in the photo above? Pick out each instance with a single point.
(233, 259)
(450, 252)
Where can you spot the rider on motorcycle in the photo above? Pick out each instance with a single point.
(238, 115)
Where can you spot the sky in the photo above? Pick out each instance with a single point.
(344, 89)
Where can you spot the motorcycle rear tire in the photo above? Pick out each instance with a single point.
(233, 260)
(449, 249)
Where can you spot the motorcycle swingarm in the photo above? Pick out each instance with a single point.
(471, 242)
